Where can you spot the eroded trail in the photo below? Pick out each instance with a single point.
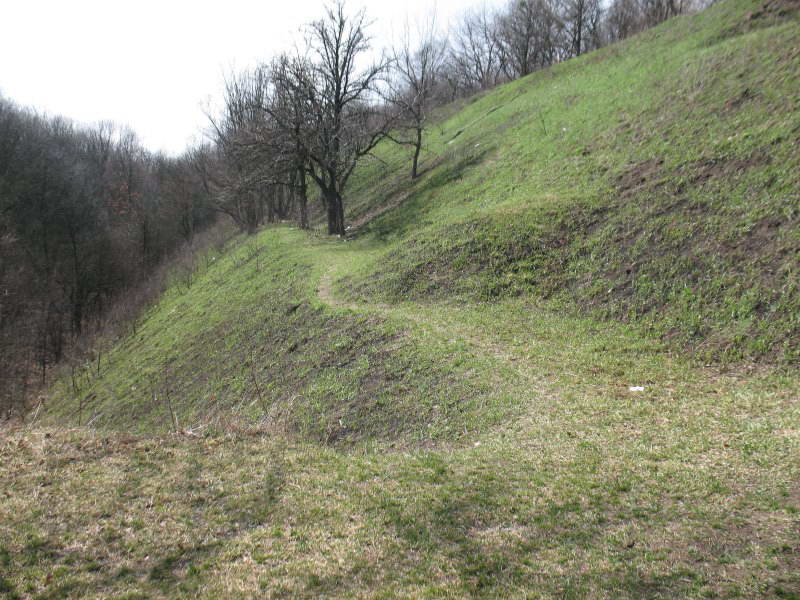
(325, 292)
(422, 317)
(545, 357)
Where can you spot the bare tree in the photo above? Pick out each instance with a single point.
(624, 19)
(657, 11)
(300, 118)
(582, 20)
(628, 17)
(241, 184)
(475, 50)
(345, 122)
(289, 106)
(416, 66)
(519, 36)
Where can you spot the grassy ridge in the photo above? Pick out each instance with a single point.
(564, 483)
(655, 182)
(249, 341)
(356, 419)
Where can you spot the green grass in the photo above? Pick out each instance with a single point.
(442, 406)
(250, 342)
(686, 490)
(653, 182)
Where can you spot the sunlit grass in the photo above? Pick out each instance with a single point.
(409, 414)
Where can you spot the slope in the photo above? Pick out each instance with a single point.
(578, 487)
(308, 417)
(653, 182)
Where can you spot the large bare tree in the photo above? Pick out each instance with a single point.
(345, 121)
(241, 179)
(582, 20)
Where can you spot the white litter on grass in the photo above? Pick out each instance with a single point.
(636, 388)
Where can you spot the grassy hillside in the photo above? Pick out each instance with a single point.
(655, 182)
(249, 341)
(484, 392)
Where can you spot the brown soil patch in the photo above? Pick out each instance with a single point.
(640, 175)
(779, 8)
(714, 167)
(649, 173)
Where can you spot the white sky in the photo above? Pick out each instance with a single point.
(153, 65)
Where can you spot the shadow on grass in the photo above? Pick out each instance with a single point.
(458, 535)
(175, 561)
(407, 216)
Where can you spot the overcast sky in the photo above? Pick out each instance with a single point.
(154, 65)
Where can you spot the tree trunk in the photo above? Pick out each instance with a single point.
(417, 150)
(271, 208)
(335, 213)
(302, 197)
(77, 313)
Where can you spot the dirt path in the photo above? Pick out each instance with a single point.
(325, 292)
(486, 346)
